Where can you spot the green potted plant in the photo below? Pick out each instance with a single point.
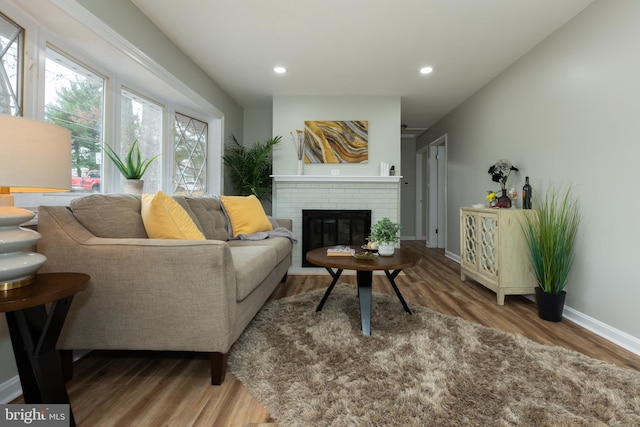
(250, 167)
(550, 236)
(132, 167)
(384, 234)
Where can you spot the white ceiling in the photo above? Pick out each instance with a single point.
(358, 47)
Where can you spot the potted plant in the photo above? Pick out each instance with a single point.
(550, 236)
(250, 167)
(384, 233)
(132, 167)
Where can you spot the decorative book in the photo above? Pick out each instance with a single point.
(340, 251)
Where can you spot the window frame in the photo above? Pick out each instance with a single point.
(36, 40)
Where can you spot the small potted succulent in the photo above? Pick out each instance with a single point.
(384, 234)
(132, 167)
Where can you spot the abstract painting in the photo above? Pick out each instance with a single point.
(336, 142)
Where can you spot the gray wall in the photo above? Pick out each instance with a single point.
(567, 112)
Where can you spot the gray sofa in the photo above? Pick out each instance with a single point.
(158, 294)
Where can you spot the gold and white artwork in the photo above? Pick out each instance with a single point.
(336, 141)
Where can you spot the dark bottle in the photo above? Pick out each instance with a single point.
(526, 194)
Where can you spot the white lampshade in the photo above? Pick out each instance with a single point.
(34, 157)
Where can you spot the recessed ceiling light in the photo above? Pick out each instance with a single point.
(426, 70)
(280, 70)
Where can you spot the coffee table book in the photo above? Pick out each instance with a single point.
(340, 251)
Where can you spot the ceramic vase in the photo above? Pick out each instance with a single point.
(386, 248)
(133, 186)
(300, 167)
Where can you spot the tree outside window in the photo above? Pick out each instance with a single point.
(74, 99)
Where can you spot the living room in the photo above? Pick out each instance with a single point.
(563, 113)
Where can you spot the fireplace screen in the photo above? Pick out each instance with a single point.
(321, 227)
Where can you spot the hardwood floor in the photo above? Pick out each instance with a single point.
(173, 389)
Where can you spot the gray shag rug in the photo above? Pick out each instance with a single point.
(429, 369)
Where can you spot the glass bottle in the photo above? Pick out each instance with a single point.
(526, 194)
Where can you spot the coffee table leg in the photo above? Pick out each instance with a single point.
(391, 277)
(336, 276)
(364, 295)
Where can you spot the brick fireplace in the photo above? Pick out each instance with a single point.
(294, 193)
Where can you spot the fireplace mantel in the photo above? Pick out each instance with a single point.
(334, 178)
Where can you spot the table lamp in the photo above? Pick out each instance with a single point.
(35, 157)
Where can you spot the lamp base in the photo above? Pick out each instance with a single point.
(7, 286)
(17, 264)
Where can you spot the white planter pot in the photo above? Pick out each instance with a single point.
(386, 248)
(133, 186)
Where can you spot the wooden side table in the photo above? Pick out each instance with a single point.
(34, 332)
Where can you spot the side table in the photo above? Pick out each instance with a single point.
(34, 332)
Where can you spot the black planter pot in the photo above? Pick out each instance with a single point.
(550, 306)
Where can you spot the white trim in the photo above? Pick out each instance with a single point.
(10, 389)
(607, 332)
(334, 178)
(79, 13)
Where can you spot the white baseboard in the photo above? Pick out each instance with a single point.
(599, 328)
(11, 388)
(607, 332)
(452, 256)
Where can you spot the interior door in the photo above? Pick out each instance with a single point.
(437, 193)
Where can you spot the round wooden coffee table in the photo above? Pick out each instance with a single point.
(391, 265)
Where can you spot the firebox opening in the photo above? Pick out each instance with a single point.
(330, 227)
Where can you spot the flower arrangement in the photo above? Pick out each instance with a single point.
(298, 141)
(500, 172)
(491, 197)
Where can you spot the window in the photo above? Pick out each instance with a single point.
(11, 60)
(86, 84)
(190, 148)
(74, 99)
(141, 120)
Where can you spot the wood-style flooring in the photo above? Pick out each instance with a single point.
(173, 389)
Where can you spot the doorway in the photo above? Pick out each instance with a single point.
(434, 177)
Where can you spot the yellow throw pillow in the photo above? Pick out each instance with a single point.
(245, 214)
(164, 218)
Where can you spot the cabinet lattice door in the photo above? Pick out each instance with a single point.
(493, 251)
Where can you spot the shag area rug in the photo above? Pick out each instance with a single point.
(429, 369)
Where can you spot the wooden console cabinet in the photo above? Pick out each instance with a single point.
(493, 251)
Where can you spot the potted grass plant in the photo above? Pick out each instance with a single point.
(250, 167)
(384, 233)
(132, 167)
(550, 237)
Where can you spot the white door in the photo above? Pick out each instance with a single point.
(437, 231)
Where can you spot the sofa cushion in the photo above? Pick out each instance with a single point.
(110, 215)
(252, 264)
(164, 218)
(282, 245)
(246, 214)
(209, 215)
